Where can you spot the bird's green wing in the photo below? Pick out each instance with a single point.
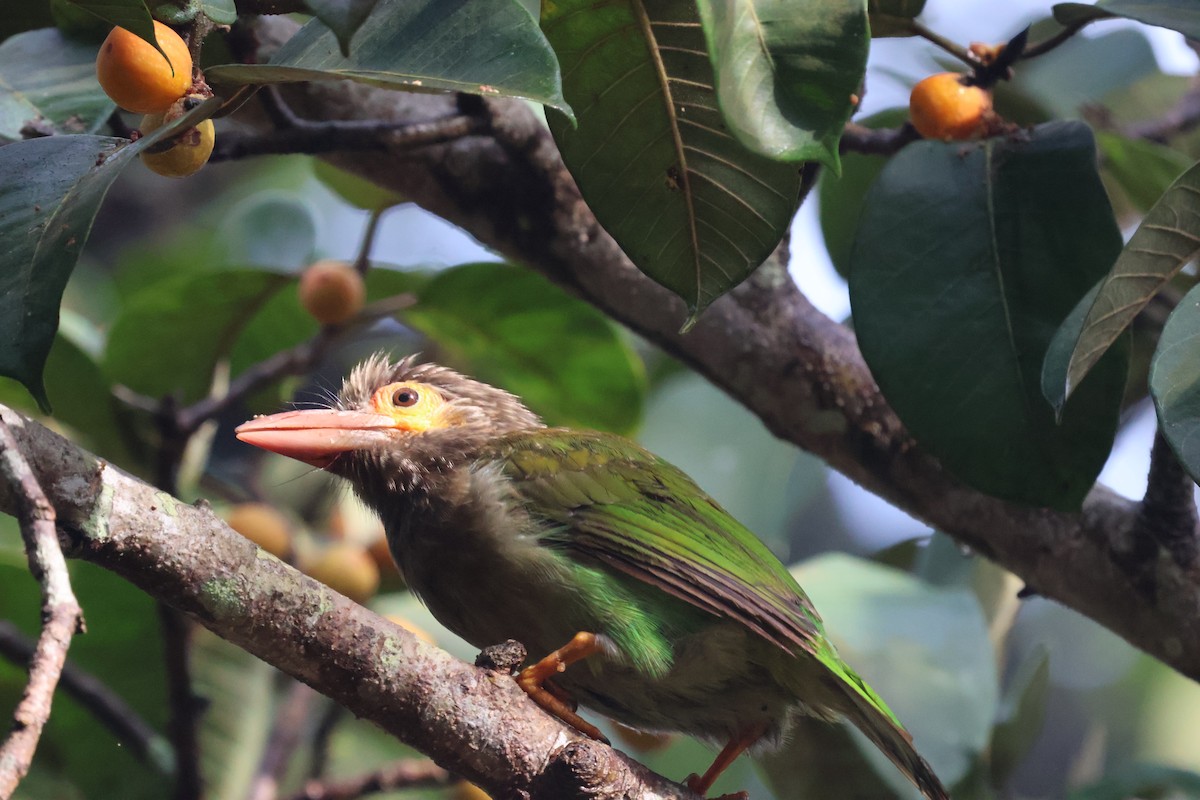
(604, 497)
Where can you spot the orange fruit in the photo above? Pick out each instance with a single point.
(332, 291)
(183, 154)
(942, 106)
(137, 77)
(346, 568)
(263, 525)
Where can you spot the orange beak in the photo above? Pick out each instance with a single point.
(317, 437)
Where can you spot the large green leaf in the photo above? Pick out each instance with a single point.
(239, 697)
(692, 208)
(1175, 381)
(841, 196)
(122, 650)
(1143, 169)
(968, 258)
(513, 327)
(50, 190)
(81, 394)
(925, 649)
(62, 92)
(489, 47)
(1168, 238)
(168, 338)
(1142, 780)
(343, 17)
(1178, 15)
(132, 15)
(788, 72)
(1021, 714)
(893, 17)
(1084, 69)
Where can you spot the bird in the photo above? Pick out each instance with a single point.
(652, 605)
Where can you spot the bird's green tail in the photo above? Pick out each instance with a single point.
(867, 712)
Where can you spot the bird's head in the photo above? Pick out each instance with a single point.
(399, 420)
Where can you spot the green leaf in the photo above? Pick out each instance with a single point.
(924, 649)
(1168, 238)
(81, 393)
(356, 191)
(343, 17)
(169, 337)
(968, 258)
(222, 12)
(512, 327)
(238, 691)
(1175, 381)
(1143, 169)
(1084, 69)
(488, 47)
(893, 17)
(50, 190)
(132, 15)
(690, 206)
(840, 198)
(1178, 15)
(271, 229)
(1022, 712)
(1142, 780)
(787, 72)
(62, 92)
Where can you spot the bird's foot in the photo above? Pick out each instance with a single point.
(553, 699)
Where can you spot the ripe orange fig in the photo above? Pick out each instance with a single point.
(332, 291)
(137, 77)
(262, 524)
(181, 155)
(415, 630)
(944, 107)
(346, 568)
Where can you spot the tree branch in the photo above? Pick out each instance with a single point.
(770, 349)
(147, 744)
(61, 614)
(407, 774)
(472, 721)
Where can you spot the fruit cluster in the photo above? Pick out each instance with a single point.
(139, 78)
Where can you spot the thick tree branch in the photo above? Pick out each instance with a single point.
(799, 371)
(472, 721)
(61, 615)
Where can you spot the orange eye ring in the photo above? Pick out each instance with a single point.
(414, 406)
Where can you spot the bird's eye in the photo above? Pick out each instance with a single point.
(405, 398)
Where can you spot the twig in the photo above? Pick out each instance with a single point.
(61, 614)
(958, 51)
(146, 744)
(292, 361)
(1168, 509)
(341, 135)
(1046, 45)
(185, 706)
(362, 261)
(286, 731)
(322, 738)
(876, 142)
(1180, 118)
(406, 774)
